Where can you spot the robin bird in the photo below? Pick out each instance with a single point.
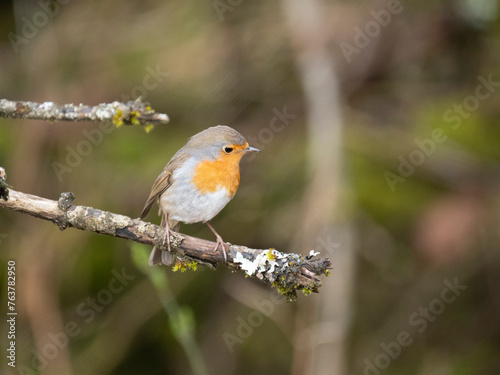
(197, 183)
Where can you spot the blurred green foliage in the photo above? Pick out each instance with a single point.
(439, 223)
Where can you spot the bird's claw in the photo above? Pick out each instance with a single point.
(221, 243)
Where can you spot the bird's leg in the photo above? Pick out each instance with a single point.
(167, 234)
(220, 242)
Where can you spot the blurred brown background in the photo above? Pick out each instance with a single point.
(380, 148)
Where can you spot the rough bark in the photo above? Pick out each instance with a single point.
(130, 113)
(289, 272)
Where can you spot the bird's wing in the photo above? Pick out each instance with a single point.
(163, 181)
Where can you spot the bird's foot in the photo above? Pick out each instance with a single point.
(166, 238)
(221, 243)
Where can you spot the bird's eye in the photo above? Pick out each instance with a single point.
(228, 149)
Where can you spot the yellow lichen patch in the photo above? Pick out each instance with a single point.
(183, 266)
(134, 118)
(179, 266)
(307, 291)
(271, 255)
(118, 118)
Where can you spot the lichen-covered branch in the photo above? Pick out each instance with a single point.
(287, 272)
(131, 113)
(4, 188)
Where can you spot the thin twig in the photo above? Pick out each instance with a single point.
(130, 113)
(289, 272)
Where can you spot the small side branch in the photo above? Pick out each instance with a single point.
(288, 272)
(130, 113)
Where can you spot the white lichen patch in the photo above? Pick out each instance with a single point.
(162, 117)
(246, 265)
(46, 106)
(8, 105)
(313, 253)
(121, 221)
(264, 264)
(105, 113)
(143, 226)
(88, 218)
(46, 109)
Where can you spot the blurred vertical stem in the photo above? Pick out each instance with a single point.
(181, 319)
(320, 346)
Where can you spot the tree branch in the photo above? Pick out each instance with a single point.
(288, 272)
(130, 113)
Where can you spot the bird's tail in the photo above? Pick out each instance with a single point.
(159, 257)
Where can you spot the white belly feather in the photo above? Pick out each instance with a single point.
(189, 206)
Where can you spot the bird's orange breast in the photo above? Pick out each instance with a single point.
(224, 172)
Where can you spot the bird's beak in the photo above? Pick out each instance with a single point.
(251, 149)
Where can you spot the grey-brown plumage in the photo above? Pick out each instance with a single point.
(197, 143)
(176, 193)
(163, 181)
